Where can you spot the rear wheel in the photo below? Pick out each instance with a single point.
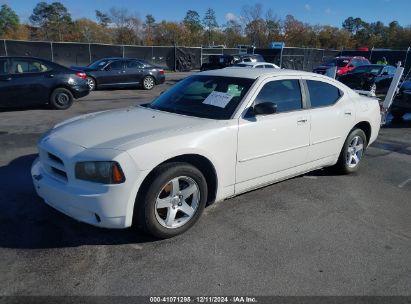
(373, 89)
(91, 83)
(173, 201)
(352, 152)
(61, 99)
(148, 82)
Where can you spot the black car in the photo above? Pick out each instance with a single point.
(372, 77)
(116, 72)
(28, 81)
(402, 102)
(216, 62)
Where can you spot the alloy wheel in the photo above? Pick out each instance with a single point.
(177, 202)
(355, 152)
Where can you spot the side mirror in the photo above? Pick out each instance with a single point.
(350, 66)
(107, 68)
(265, 108)
(384, 73)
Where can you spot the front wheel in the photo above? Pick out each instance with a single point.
(148, 83)
(352, 152)
(173, 201)
(61, 99)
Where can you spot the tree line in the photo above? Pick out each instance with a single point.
(255, 26)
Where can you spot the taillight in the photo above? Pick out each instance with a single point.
(81, 75)
(161, 72)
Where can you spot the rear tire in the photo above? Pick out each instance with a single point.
(148, 82)
(172, 201)
(61, 99)
(352, 152)
(91, 83)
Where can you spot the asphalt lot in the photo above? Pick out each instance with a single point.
(318, 234)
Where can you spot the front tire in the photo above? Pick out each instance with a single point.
(173, 200)
(352, 152)
(61, 99)
(148, 82)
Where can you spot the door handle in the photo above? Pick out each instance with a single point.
(301, 121)
(50, 75)
(6, 79)
(347, 112)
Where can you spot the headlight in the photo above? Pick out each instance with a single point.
(105, 172)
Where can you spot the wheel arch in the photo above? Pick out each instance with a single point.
(199, 161)
(365, 126)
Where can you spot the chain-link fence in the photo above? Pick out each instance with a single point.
(185, 58)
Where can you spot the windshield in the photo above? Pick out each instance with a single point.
(339, 62)
(99, 63)
(375, 70)
(212, 97)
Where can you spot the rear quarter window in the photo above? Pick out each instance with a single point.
(322, 94)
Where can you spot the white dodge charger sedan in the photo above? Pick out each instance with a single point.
(211, 136)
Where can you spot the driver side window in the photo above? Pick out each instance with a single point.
(286, 94)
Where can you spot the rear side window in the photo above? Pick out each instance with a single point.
(115, 65)
(134, 64)
(4, 66)
(286, 94)
(21, 66)
(322, 94)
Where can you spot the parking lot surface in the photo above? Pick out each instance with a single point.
(317, 234)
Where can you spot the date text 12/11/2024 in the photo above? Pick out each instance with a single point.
(204, 299)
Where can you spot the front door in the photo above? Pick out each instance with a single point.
(271, 146)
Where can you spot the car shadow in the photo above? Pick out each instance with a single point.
(401, 123)
(28, 223)
(20, 109)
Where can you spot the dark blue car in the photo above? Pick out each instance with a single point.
(28, 81)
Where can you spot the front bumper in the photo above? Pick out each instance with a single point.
(85, 204)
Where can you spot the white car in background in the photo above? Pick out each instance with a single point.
(211, 136)
(256, 65)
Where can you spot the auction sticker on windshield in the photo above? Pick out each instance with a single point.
(218, 99)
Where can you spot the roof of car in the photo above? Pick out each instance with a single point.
(255, 63)
(255, 73)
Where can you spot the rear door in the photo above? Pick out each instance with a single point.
(5, 80)
(30, 83)
(332, 117)
(113, 74)
(134, 72)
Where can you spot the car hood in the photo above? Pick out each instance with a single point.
(116, 128)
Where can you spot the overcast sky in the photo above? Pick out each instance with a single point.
(311, 11)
